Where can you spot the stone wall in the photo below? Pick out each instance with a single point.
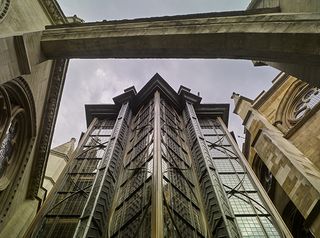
(22, 17)
(290, 151)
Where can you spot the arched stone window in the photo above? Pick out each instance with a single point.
(307, 100)
(17, 133)
(4, 8)
(264, 175)
(295, 221)
(298, 101)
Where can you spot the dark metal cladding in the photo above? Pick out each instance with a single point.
(156, 164)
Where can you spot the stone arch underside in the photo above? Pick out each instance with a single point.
(289, 42)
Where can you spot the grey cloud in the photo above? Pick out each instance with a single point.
(125, 9)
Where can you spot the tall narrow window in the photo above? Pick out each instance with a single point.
(17, 131)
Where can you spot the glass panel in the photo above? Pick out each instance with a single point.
(7, 146)
(231, 181)
(222, 152)
(269, 227)
(105, 132)
(216, 139)
(95, 131)
(236, 164)
(250, 227)
(241, 204)
(97, 140)
(223, 165)
(246, 182)
(211, 131)
(99, 153)
(257, 203)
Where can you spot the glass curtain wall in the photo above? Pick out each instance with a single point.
(252, 215)
(131, 216)
(64, 211)
(181, 207)
(178, 170)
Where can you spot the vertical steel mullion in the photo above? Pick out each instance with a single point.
(91, 203)
(157, 203)
(279, 223)
(225, 210)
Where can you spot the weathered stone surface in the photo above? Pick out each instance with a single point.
(265, 37)
(289, 42)
(290, 154)
(296, 174)
(288, 5)
(20, 55)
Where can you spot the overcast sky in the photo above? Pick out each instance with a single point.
(98, 81)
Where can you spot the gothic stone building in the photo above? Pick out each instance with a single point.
(158, 163)
(282, 146)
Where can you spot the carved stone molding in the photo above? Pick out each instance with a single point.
(23, 111)
(54, 11)
(299, 103)
(4, 8)
(54, 93)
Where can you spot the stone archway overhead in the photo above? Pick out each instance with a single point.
(287, 41)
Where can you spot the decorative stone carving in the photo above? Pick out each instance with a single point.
(299, 100)
(54, 11)
(50, 112)
(18, 130)
(4, 8)
(307, 99)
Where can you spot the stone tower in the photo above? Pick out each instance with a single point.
(58, 159)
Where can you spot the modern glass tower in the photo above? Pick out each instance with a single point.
(158, 163)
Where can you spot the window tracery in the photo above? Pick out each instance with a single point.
(298, 101)
(306, 102)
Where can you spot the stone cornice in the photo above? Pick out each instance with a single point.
(52, 101)
(100, 111)
(264, 96)
(60, 155)
(53, 11)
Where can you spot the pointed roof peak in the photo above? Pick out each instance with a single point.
(66, 148)
(157, 83)
(176, 99)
